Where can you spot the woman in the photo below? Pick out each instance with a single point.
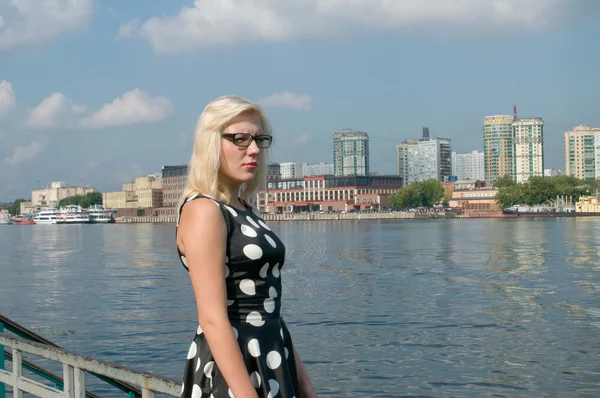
(242, 347)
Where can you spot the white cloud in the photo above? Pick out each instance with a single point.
(7, 97)
(288, 100)
(24, 153)
(55, 111)
(134, 107)
(209, 23)
(33, 22)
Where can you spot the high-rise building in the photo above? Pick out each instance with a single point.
(528, 148)
(317, 169)
(498, 146)
(427, 159)
(468, 166)
(350, 153)
(402, 158)
(582, 152)
(290, 170)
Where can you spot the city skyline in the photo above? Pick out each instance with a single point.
(99, 92)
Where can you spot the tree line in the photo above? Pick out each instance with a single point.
(87, 200)
(541, 190)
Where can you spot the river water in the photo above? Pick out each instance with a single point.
(398, 308)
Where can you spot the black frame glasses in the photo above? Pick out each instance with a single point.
(244, 140)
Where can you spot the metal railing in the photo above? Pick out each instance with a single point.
(74, 368)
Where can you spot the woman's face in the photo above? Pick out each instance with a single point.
(239, 164)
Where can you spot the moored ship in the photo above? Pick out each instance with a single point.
(45, 217)
(100, 215)
(5, 218)
(73, 214)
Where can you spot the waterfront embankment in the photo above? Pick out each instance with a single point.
(398, 215)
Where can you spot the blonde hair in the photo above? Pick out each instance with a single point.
(205, 162)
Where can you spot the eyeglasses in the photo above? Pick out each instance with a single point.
(244, 140)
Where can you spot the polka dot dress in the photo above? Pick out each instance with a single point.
(252, 275)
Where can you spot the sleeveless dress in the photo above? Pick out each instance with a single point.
(254, 258)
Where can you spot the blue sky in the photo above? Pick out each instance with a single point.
(100, 91)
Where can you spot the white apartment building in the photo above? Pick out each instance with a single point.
(469, 166)
(528, 148)
(290, 170)
(351, 153)
(317, 169)
(582, 152)
(427, 159)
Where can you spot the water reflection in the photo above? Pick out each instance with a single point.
(377, 308)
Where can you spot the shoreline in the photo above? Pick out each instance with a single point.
(373, 216)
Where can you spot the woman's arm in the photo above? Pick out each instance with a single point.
(202, 237)
(307, 390)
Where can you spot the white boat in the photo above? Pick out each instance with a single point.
(46, 216)
(100, 215)
(5, 218)
(73, 215)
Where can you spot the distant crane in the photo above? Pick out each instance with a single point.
(514, 112)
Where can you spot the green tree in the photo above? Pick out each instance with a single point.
(543, 190)
(424, 193)
(505, 181)
(15, 207)
(87, 200)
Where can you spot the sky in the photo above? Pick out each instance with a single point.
(97, 92)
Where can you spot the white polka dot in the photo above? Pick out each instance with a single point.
(251, 221)
(184, 261)
(247, 286)
(273, 360)
(226, 271)
(192, 351)
(229, 302)
(263, 270)
(274, 386)
(198, 362)
(235, 332)
(199, 330)
(233, 212)
(272, 292)
(196, 391)
(287, 353)
(269, 305)
(276, 271)
(270, 240)
(255, 319)
(182, 388)
(262, 224)
(246, 230)
(208, 368)
(230, 393)
(281, 333)
(226, 259)
(255, 379)
(253, 252)
(254, 348)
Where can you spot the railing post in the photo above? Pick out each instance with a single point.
(147, 393)
(17, 372)
(79, 377)
(2, 386)
(68, 387)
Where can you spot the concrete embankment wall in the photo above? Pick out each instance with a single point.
(325, 217)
